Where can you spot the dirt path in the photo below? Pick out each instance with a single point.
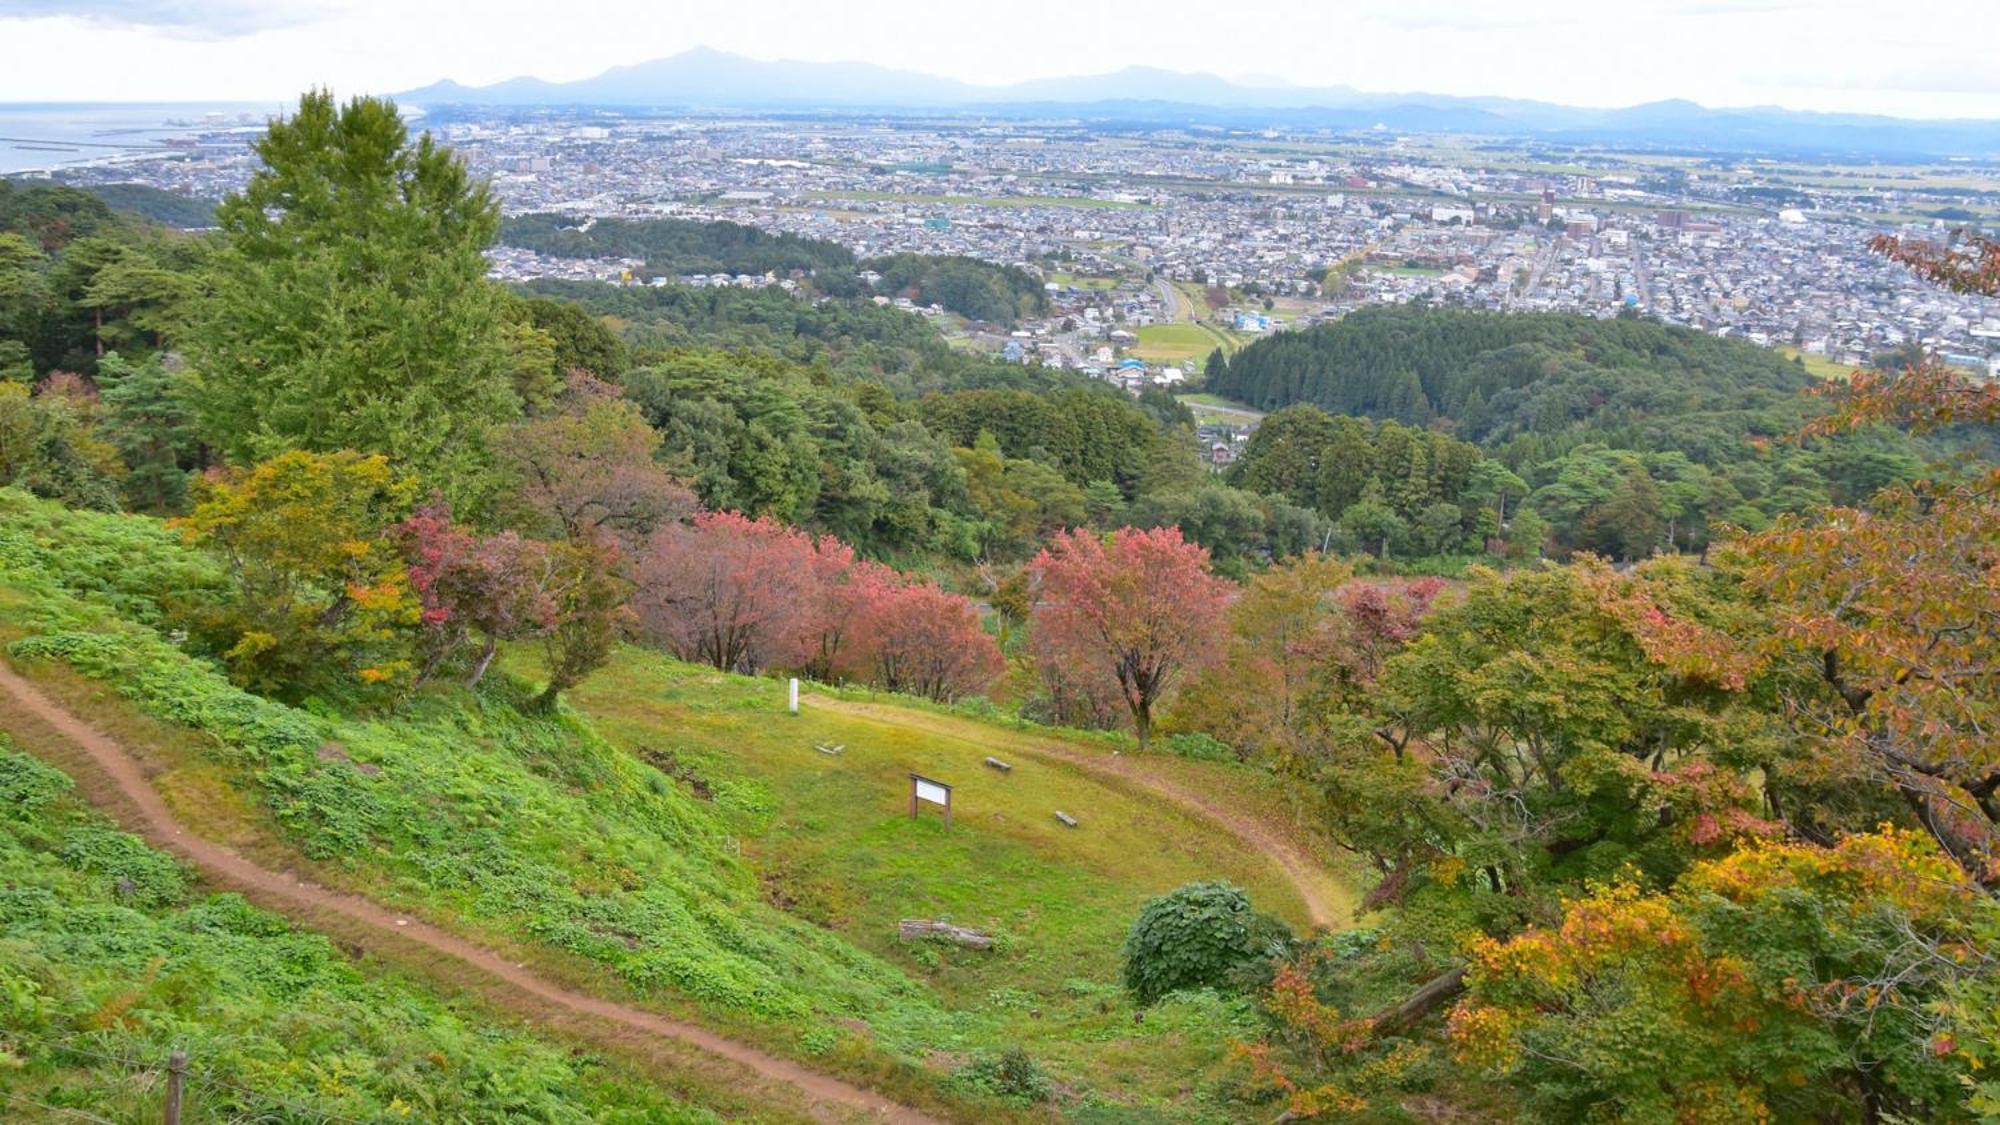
(223, 866)
(1300, 872)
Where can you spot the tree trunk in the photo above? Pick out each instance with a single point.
(485, 660)
(546, 701)
(1421, 1003)
(1142, 722)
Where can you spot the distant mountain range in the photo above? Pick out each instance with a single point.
(707, 79)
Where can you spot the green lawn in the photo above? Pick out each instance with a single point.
(832, 842)
(1818, 366)
(834, 831)
(1177, 342)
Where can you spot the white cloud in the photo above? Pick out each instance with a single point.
(1828, 54)
(192, 19)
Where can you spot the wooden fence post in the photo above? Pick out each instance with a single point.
(177, 1065)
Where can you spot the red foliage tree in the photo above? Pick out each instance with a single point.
(1376, 620)
(502, 587)
(1138, 610)
(925, 641)
(736, 593)
(848, 589)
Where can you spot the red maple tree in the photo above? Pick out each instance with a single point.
(925, 641)
(501, 587)
(1137, 609)
(736, 593)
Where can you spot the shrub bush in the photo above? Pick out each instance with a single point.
(1202, 935)
(1011, 1076)
(1201, 747)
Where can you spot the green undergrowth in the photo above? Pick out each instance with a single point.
(758, 898)
(467, 804)
(109, 960)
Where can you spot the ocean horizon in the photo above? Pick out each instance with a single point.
(52, 136)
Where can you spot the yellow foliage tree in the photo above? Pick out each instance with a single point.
(320, 594)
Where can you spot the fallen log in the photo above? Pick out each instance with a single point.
(920, 929)
(1422, 1002)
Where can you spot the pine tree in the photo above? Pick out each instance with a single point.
(350, 308)
(150, 426)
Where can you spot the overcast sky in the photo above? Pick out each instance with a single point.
(1924, 58)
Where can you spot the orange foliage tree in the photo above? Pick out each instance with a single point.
(1892, 609)
(1785, 981)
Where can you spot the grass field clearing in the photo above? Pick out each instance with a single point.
(1175, 343)
(1818, 366)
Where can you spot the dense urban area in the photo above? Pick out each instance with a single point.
(1240, 233)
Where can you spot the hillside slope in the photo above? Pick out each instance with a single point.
(112, 955)
(296, 897)
(760, 902)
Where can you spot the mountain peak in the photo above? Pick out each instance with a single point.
(706, 76)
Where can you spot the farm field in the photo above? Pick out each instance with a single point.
(1209, 407)
(1076, 282)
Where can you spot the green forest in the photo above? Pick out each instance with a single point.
(1548, 432)
(969, 287)
(675, 246)
(1544, 719)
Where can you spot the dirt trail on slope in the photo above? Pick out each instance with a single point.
(223, 866)
(1299, 871)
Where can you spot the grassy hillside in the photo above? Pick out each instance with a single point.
(832, 840)
(110, 958)
(702, 859)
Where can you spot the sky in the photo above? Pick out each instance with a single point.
(1914, 58)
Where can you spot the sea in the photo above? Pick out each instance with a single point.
(51, 136)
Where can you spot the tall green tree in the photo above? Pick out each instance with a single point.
(349, 307)
(146, 420)
(21, 295)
